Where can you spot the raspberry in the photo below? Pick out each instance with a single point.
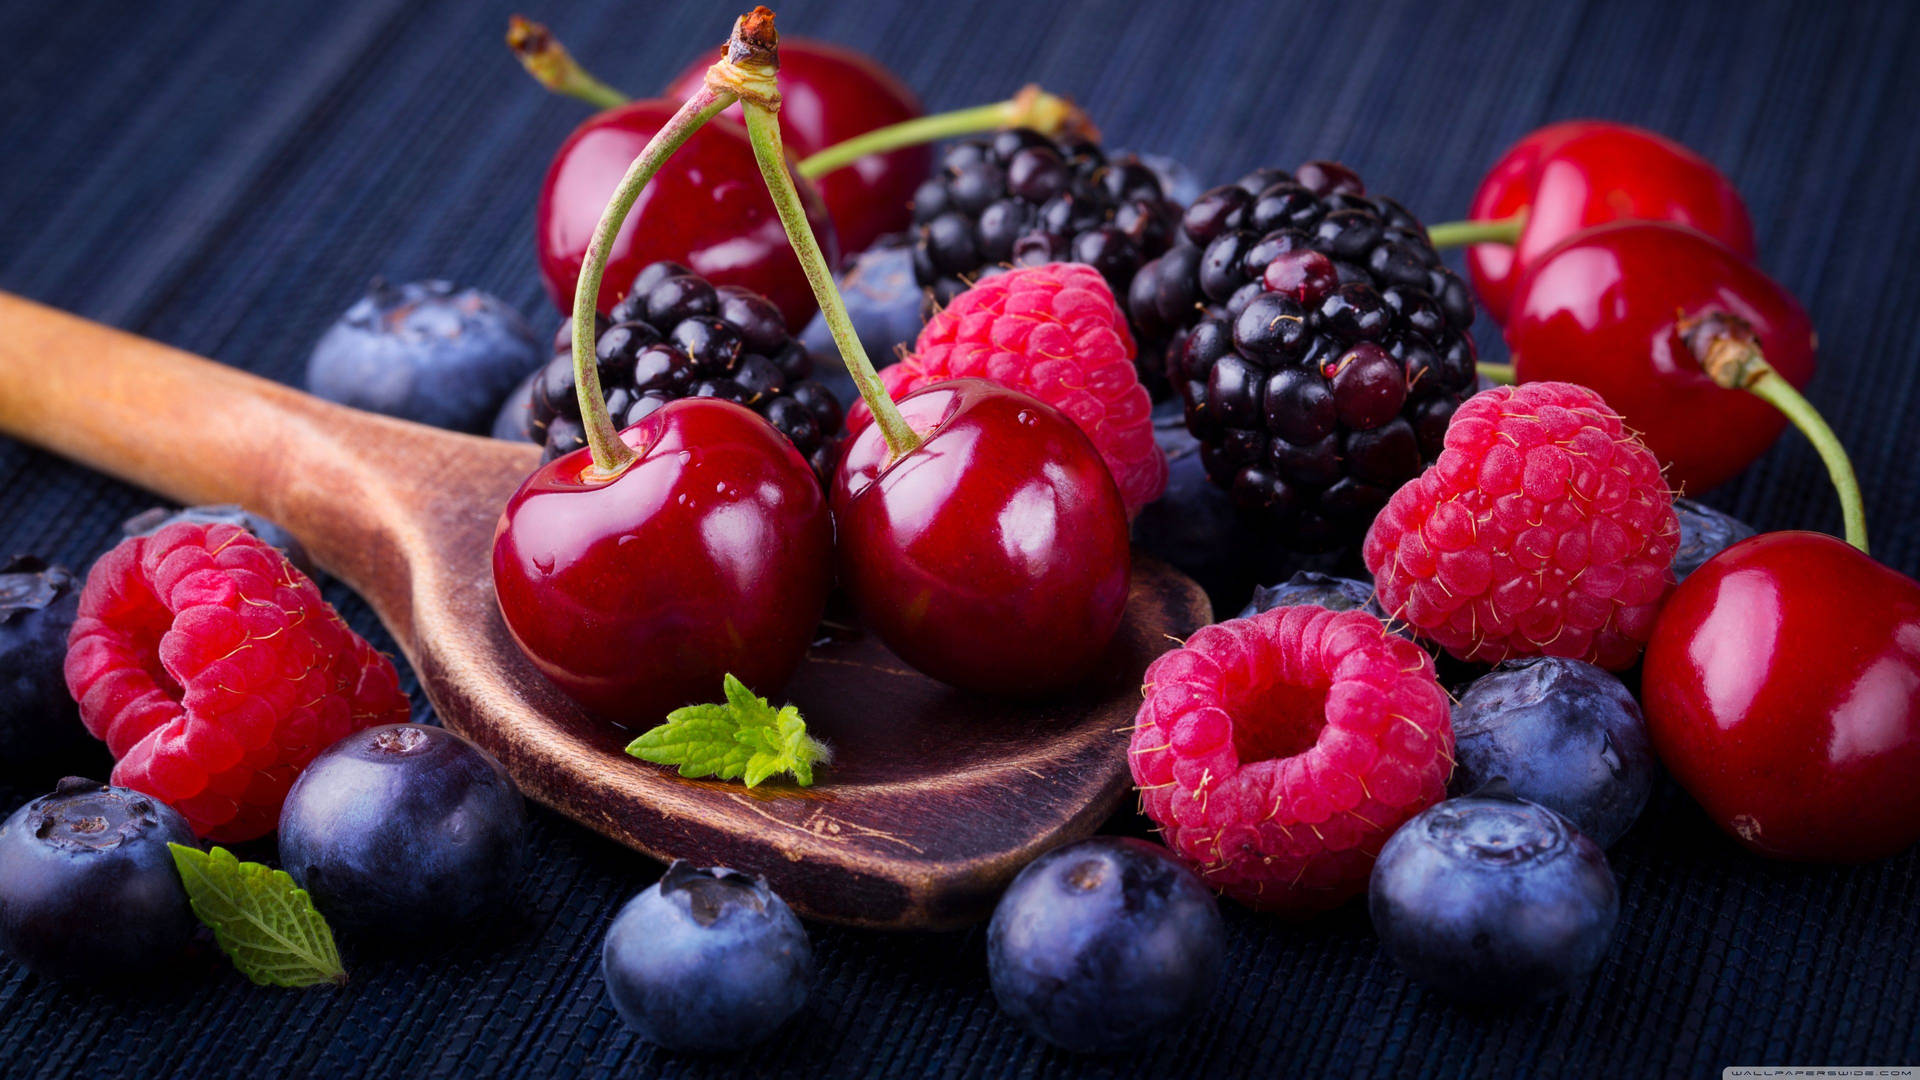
(1544, 529)
(1278, 752)
(214, 672)
(1056, 332)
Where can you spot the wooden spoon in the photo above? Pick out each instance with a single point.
(934, 799)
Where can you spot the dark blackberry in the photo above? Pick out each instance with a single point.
(676, 335)
(1318, 346)
(1022, 198)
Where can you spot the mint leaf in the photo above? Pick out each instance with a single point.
(743, 739)
(263, 921)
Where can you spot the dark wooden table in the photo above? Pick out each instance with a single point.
(226, 177)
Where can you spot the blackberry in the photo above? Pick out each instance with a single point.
(1021, 198)
(677, 335)
(1318, 346)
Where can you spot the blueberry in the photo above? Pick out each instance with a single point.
(88, 889)
(514, 421)
(706, 960)
(405, 831)
(882, 298)
(1100, 945)
(425, 351)
(39, 724)
(1324, 590)
(148, 522)
(1564, 734)
(1493, 900)
(1704, 533)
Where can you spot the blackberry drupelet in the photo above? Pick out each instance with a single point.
(676, 335)
(1021, 198)
(1317, 342)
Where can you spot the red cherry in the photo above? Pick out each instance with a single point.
(710, 555)
(1572, 175)
(1782, 688)
(993, 556)
(706, 209)
(1607, 309)
(829, 94)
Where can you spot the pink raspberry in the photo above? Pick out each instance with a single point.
(215, 672)
(1543, 529)
(1055, 332)
(1278, 752)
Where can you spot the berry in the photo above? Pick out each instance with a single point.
(1633, 310)
(1278, 752)
(829, 94)
(1052, 331)
(151, 521)
(1704, 533)
(1569, 176)
(405, 831)
(883, 302)
(514, 421)
(678, 336)
(1318, 346)
(706, 960)
(711, 555)
(214, 672)
(706, 208)
(1319, 590)
(424, 351)
(1782, 689)
(994, 556)
(1102, 945)
(1493, 900)
(39, 727)
(88, 888)
(1544, 529)
(1021, 198)
(1561, 733)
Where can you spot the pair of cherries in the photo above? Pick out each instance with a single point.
(976, 529)
(1782, 683)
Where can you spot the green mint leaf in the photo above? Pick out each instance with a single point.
(743, 739)
(265, 923)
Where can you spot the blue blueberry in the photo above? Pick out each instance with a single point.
(883, 301)
(514, 422)
(39, 725)
(1564, 734)
(148, 522)
(1704, 533)
(706, 960)
(1100, 945)
(405, 831)
(425, 351)
(1312, 587)
(1493, 900)
(88, 889)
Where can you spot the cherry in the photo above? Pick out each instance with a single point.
(830, 94)
(709, 555)
(704, 210)
(1782, 689)
(1569, 176)
(1619, 308)
(993, 556)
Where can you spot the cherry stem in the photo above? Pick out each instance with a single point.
(750, 70)
(1455, 234)
(554, 67)
(612, 456)
(1731, 357)
(1502, 374)
(1032, 107)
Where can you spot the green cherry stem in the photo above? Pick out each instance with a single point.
(1032, 107)
(553, 67)
(1731, 357)
(1455, 234)
(751, 71)
(611, 456)
(1502, 374)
